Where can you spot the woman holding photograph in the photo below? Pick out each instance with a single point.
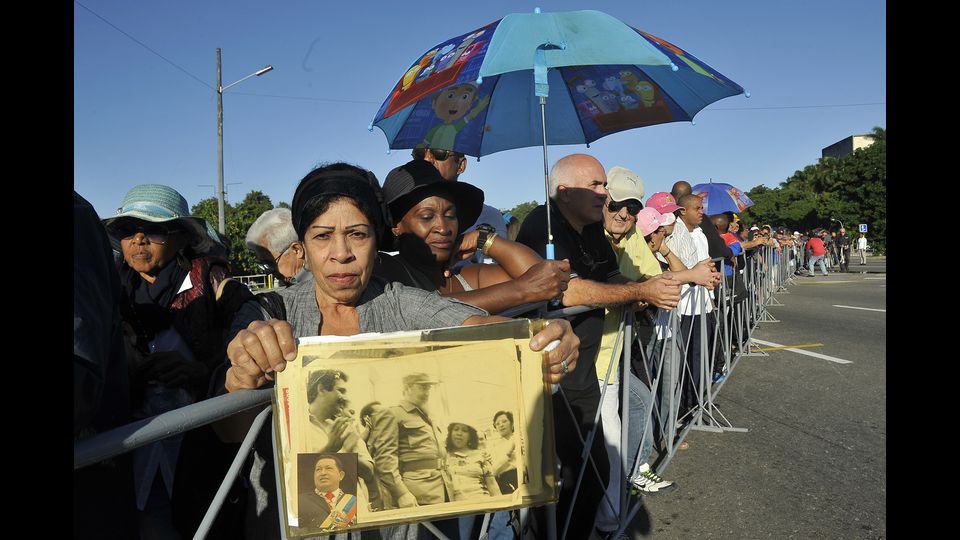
(337, 216)
(339, 220)
(468, 468)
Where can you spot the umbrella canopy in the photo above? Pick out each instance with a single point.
(719, 198)
(476, 93)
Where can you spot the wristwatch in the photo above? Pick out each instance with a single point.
(486, 237)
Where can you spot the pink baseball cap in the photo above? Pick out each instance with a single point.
(662, 202)
(649, 220)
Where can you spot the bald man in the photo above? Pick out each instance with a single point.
(715, 245)
(577, 196)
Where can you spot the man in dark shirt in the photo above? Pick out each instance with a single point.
(843, 244)
(577, 195)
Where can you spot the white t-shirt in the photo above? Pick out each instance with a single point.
(691, 298)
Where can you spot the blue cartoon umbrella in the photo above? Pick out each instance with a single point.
(719, 198)
(489, 90)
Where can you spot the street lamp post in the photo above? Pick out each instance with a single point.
(222, 225)
(838, 221)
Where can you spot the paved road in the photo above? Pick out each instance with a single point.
(813, 462)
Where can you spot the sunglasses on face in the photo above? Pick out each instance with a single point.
(272, 268)
(154, 232)
(442, 155)
(633, 206)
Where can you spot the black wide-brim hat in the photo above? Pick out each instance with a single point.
(415, 180)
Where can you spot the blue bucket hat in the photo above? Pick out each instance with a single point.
(157, 203)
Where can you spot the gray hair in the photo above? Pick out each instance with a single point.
(559, 171)
(275, 227)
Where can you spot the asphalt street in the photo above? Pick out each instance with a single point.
(813, 463)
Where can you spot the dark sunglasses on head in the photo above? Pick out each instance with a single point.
(442, 155)
(633, 206)
(154, 232)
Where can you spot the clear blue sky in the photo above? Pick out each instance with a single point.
(816, 71)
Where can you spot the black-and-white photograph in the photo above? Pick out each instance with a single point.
(424, 431)
(435, 428)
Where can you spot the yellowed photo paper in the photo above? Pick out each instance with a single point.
(382, 429)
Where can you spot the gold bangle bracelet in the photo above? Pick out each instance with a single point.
(488, 243)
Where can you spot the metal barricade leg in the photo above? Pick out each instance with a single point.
(231, 476)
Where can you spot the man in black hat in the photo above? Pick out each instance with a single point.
(408, 447)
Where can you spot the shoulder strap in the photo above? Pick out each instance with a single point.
(273, 304)
(463, 282)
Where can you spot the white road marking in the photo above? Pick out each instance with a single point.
(863, 308)
(884, 277)
(800, 351)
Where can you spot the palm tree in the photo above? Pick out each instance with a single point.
(879, 134)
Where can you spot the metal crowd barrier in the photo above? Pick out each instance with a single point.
(733, 322)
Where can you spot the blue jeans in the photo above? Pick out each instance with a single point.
(817, 259)
(499, 528)
(638, 422)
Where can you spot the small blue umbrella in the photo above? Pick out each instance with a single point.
(719, 198)
(480, 92)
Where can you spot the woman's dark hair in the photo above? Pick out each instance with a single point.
(331, 182)
(473, 442)
(508, 414)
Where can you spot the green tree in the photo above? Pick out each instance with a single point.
(238, 220)
(207, 209)
(521, 210)
(247, 211)
(851, 189)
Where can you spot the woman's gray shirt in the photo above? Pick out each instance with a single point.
(383, 307)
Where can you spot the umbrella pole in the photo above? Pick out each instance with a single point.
(546, 175)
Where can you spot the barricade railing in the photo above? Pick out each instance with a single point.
(664, 360)
(257, 282)
(142, 432)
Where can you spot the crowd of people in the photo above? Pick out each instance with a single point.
(160, 324)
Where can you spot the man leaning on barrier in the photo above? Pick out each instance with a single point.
(578, 193)
(635, 261)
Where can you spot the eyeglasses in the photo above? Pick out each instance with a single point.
(272, 268)
(154, 233)
(633, 206)
(442, 155)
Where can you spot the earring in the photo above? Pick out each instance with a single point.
(305, 267)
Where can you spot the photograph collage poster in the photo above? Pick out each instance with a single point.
(382, 429)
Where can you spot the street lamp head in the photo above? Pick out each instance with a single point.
(264, 70)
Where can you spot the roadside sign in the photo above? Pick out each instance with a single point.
(863, 227)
